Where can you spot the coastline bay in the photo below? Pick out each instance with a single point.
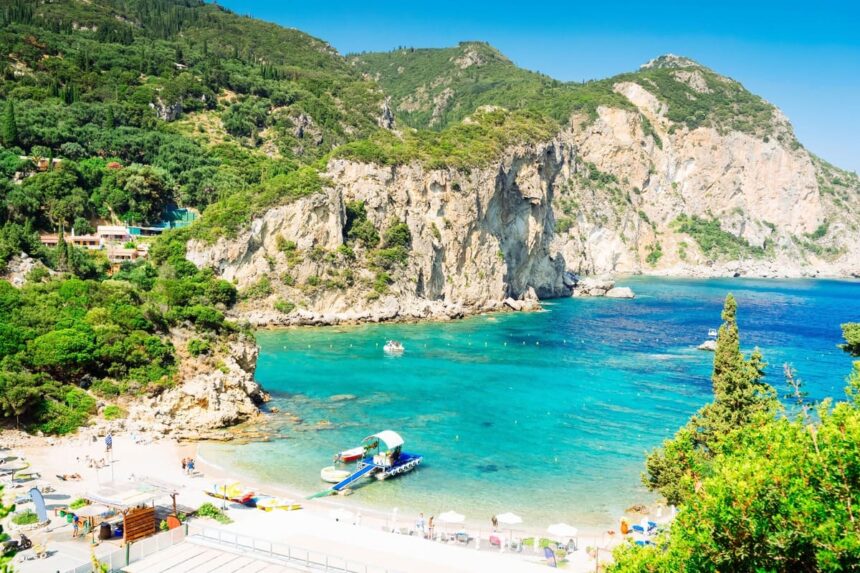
(545, 414)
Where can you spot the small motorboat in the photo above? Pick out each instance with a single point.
(393, 347)
(331, 474)
(350, 455)
(273, 503)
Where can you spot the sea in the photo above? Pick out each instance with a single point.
(548, 415)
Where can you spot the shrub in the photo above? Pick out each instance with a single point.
(398, 235)
(260, 289)
(389, 258)
(78, 503)
(655, 253)
(198, 346)
(209, 510)
(285, 306)
(26, 517)
(113, 412)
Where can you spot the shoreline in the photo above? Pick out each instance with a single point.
(313, 527)
(312, 319)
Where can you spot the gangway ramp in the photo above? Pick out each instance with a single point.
(354, 477)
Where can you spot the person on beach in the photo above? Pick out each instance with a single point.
(494, 521)
(76, 526)
(191, 466)
(431, 526)
(184, 464)
(108, 442)
(420, 525)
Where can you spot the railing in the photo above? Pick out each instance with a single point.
(229, 541)
(281, 552)
(136, 551)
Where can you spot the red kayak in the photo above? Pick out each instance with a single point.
(350, 455)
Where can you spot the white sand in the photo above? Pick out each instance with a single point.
(312, 528)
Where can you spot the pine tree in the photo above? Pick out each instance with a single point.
(9, 126)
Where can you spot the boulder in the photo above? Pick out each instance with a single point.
(620, 292)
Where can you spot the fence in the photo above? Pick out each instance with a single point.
(136, 551)
(230, 541)
(282, 552)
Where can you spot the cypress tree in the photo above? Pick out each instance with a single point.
(9, 127)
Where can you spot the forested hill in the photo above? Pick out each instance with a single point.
(210, 101)
(433, 88)
(113, 111)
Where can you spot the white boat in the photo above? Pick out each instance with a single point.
(393, 347)
(712, 333)
(350, 455)
(332, 474)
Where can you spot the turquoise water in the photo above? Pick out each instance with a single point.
(547, 414)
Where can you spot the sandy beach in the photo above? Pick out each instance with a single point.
(362, 535)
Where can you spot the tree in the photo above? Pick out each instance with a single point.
(740, 399)
(9, 125)
(779, 495)
(851, 334)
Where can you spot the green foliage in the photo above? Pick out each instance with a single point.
(851, 334)
(209, 510)
(260, 289)
(113, 412)
(78, 503)
(740, 399)
(9, 125)
(655, 253)
(713, 240)
(459, 146)
(285, 306)
(419, 79)
(227, 217)
(770, 492)
(199, 346)
(358, 227)
(26, 517)
(398, 235)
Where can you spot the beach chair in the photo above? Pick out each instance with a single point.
(495, 541)
(549, 556)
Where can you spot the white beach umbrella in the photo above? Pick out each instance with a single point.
(452, 517)
(562, 530)
(509, 519)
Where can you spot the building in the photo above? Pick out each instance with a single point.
(91, 242)
(113, 233)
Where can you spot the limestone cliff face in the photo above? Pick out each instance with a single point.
(626, 192)
(770, 193)
(213, 392)
(477, 239)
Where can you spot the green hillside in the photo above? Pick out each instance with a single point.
(433, 88)
(115, 110)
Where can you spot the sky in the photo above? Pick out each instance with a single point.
(803, 57)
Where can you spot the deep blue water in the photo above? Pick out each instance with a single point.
(549, 414)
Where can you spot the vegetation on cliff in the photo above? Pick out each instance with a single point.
(760, 486)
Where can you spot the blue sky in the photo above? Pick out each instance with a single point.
(803, 57)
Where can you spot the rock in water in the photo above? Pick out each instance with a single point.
(710, 345)
(620, 292)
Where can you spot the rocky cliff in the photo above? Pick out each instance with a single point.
(213, 391)
(478, 238)
(679, 172)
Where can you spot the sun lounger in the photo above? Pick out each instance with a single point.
(549, 556)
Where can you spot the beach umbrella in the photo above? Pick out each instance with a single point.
(509, 519)
(452, 517)
(562, 531)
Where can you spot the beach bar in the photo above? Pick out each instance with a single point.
(136, 504)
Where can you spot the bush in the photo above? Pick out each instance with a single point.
(712, 239)
(209, 510)
(113, 412)
(78, 503)
(285, 306)
(398, 235)
(26, 517)
(198, 346)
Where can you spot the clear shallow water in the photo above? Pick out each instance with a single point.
(548, 414)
